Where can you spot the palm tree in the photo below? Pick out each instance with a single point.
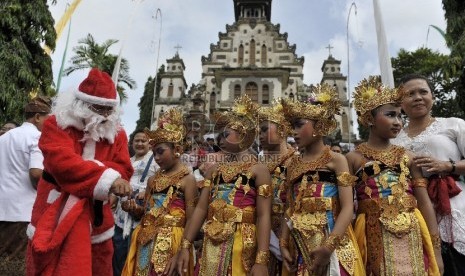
(90, 54)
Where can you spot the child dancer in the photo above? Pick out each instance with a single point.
(235, 201)
(395, 227)
(273, 131)
(320, 193)
(169, 203)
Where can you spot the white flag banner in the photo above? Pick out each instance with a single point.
(383, 51)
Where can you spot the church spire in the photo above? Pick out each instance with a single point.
(252, 9)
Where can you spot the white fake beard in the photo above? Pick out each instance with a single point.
(70, 111)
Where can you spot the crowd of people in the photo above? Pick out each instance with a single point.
(265, 196)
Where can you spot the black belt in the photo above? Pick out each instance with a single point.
(98, 204)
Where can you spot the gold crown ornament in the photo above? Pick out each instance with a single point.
(170, 128)
(274, 113)
(242, 117)
(320, 107)
(371, 93)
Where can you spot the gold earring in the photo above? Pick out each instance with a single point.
(177, 154)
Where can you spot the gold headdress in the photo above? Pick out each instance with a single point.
(241, 118)
(170, 128)
(371, 93)
(321, 107)
(274, 113)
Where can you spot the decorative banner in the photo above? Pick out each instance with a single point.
(63, 21)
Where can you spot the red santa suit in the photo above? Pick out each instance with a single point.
(72, 223)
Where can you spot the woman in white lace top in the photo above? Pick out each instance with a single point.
(439, 144)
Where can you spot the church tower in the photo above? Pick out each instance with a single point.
(332, 75)
(252, 57)
(173, 87)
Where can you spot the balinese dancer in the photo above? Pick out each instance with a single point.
(320, 193)
(395, 227)
(235, 201)
(273, 131)
(169, 202)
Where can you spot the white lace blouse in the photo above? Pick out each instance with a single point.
(443, 140)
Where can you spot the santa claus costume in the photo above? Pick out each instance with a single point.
(84, 153)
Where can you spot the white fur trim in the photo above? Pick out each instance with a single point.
(70, 202)
(96, 100)
(52, 196)
(30, 230)
(88, 152)
(103, 236)
(102, 189)
(98, 163)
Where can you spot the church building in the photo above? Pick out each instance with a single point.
(252, 57)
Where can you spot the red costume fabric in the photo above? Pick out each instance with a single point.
(64, 239)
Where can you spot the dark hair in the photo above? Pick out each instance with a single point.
(29, 115)
(210, 139)
(416, 76)
(137, 131)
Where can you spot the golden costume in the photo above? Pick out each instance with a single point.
(158, 237)
(313, 213)
(230, 243)
(391, 232)
(392, 235)
(313, 192)
(277, 165)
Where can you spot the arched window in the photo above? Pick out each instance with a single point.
(170, 90)
(213, 100)
(251, 89)
(252, 52)
(241, 55)
(237, 91)
(264, 54)
(265, 94)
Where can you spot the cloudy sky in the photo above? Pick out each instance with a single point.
(194, 24)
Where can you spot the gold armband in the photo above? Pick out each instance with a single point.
(284, 243)
(191, 202)
(263, 257)
(420, 182)
(185, 244)
(345, 179)
(332, 242)
(204, 183)
(436, 240)
(265, 191)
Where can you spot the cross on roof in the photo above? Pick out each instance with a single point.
(329, 48)
(177, 47)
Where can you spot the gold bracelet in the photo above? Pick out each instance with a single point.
(332, 242)
(284, 243)
(436, 240)
(263, 257)
(265, 190)
(345, 179)
(186, 244)
(420, 182)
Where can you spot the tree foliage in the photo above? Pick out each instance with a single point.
(430, 64)
(146, 102)
(24, 66)
(90, 54)
(455, 39)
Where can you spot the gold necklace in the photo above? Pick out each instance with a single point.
(390, 156)
(161, 180)
(303, 166)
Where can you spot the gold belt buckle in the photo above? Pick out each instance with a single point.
(238, 217)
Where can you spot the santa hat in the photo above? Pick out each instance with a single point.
(98, 88)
